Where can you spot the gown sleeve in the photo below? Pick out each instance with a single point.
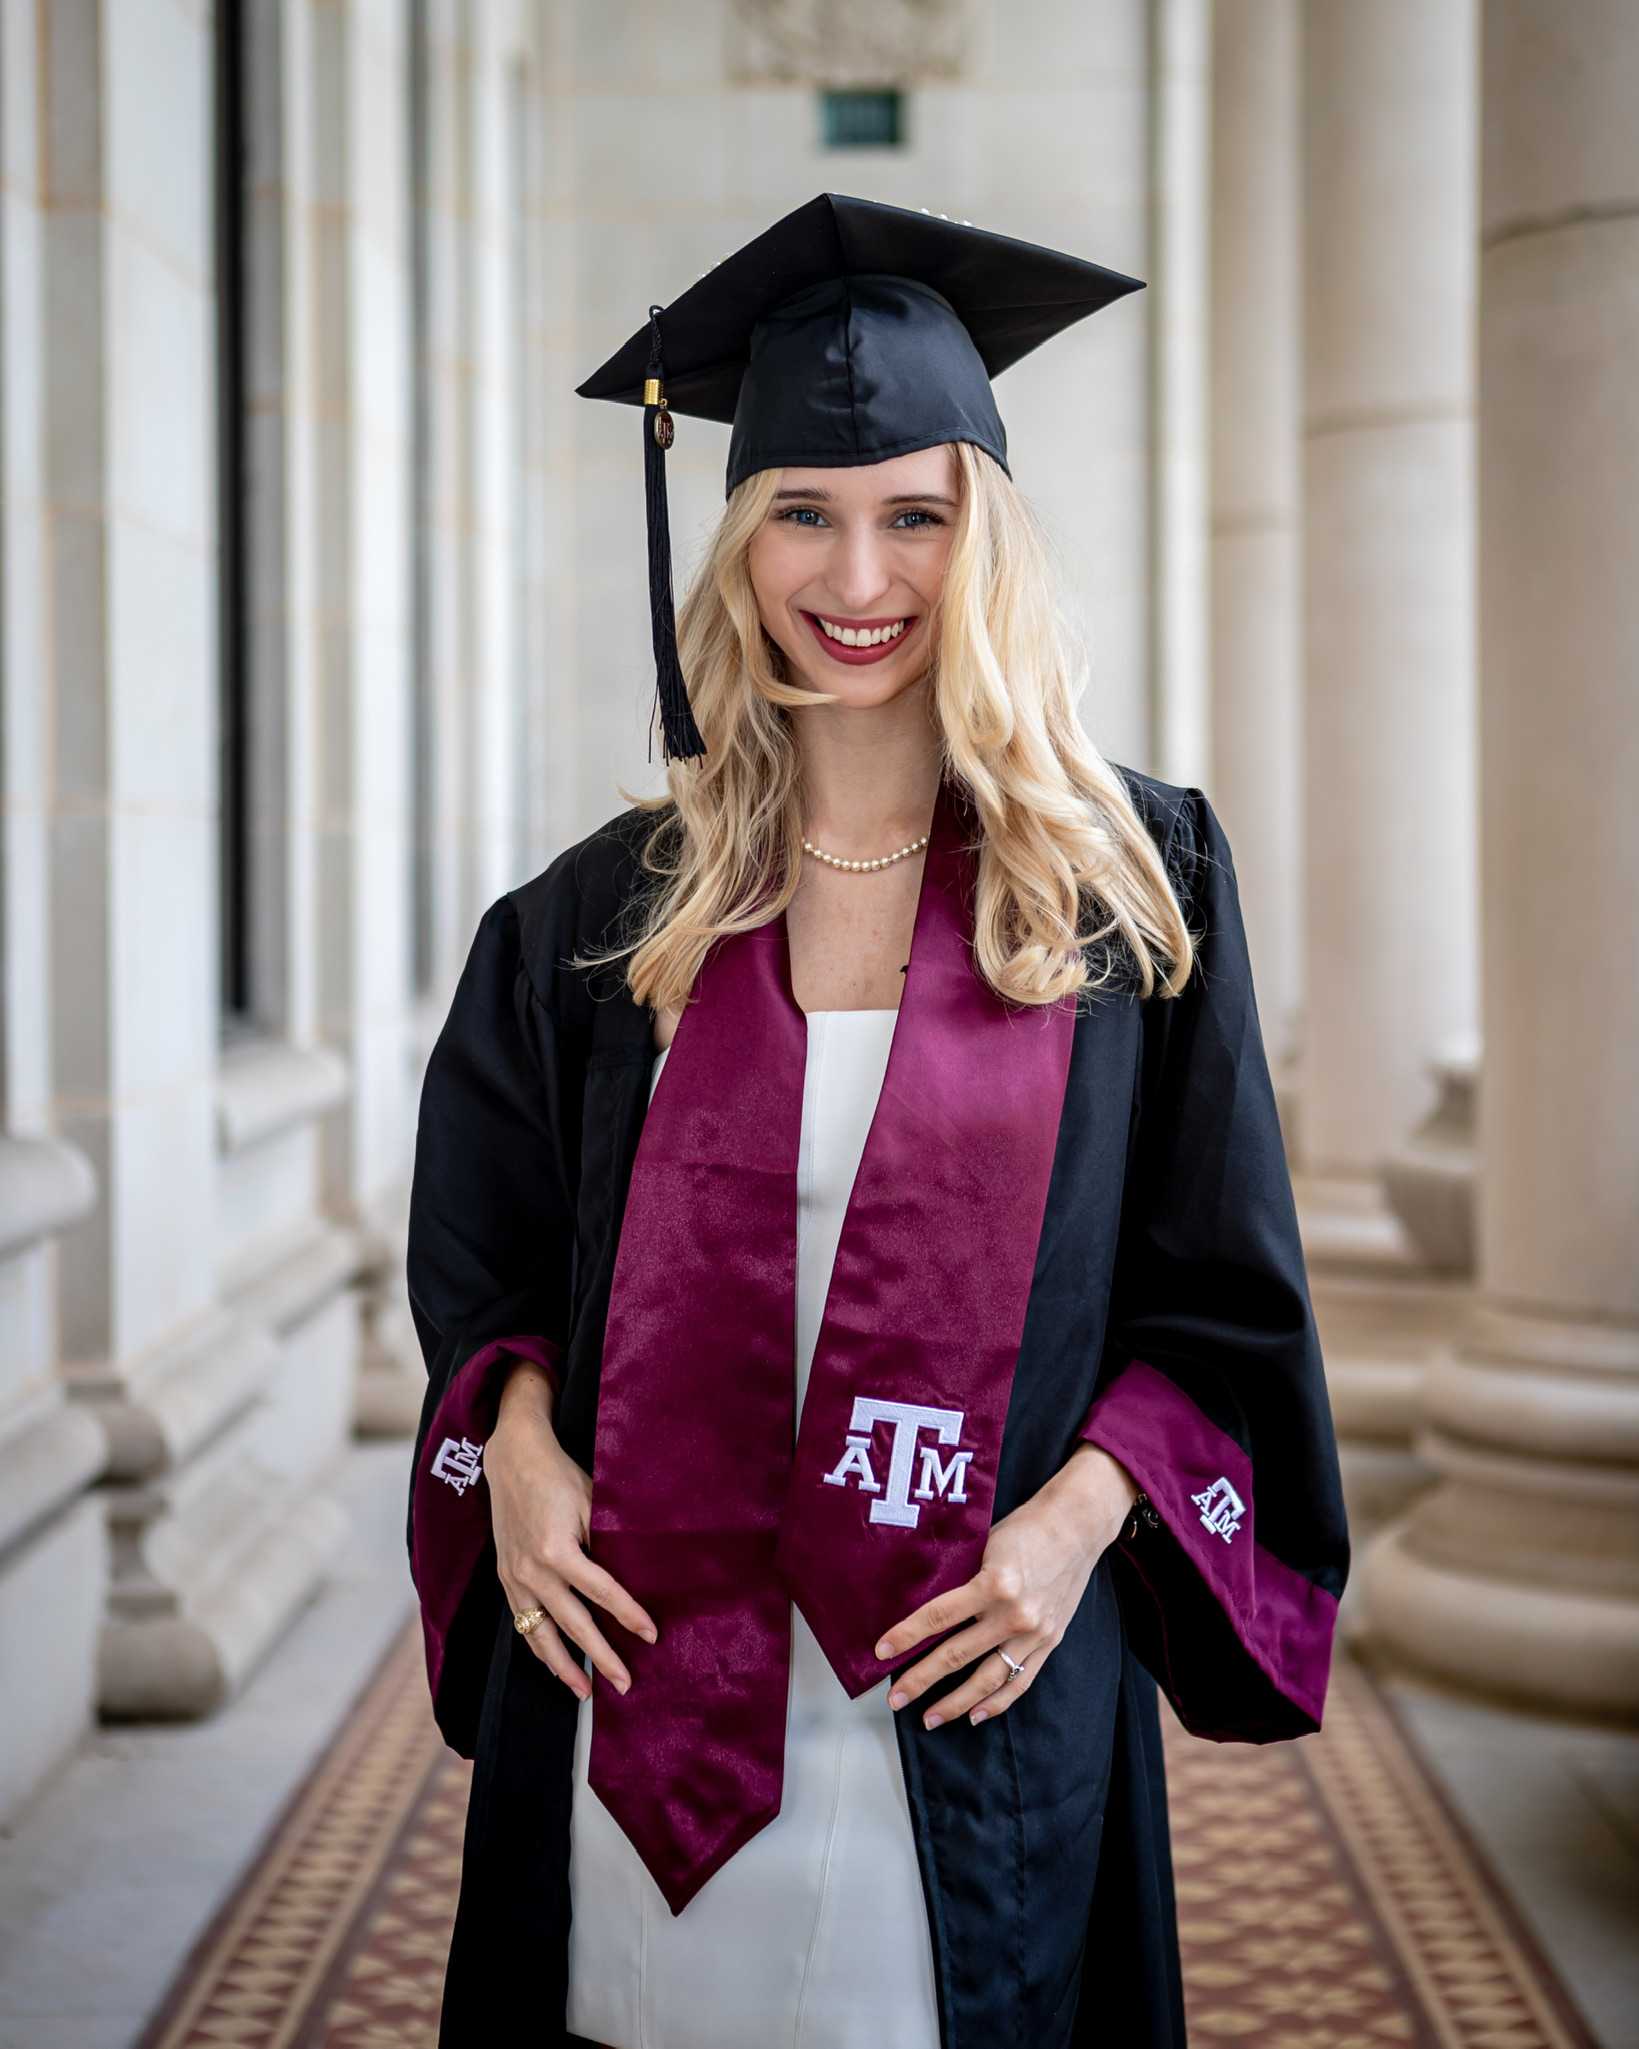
(1212, 1389)
(489, 1269)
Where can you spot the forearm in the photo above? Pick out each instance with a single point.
(527, 1396)
(1096, 1490)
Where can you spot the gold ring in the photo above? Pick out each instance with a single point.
(527, 1619)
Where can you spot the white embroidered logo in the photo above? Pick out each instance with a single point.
(1221, 1508)
(456, 1462)
(907, 1419)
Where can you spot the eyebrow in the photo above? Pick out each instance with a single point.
(903, 497)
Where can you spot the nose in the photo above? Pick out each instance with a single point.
(861, 572)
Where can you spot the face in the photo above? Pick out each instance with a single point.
(861, 549)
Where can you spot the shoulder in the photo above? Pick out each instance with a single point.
(1168, 809)
(576, 900)
(1200, 866)
(1186, 830)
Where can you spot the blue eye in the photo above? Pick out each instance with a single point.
(913, 512)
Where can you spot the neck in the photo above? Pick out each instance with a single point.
(861, 802)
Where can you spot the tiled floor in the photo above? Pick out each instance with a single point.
(107, 1880)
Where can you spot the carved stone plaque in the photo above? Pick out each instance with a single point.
(847, 42)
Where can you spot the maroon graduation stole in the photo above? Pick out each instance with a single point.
(707, 1504)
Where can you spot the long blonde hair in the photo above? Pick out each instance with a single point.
(1061, 841)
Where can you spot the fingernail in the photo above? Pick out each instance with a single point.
(932, 1721)
(978, 1714)
(647, 1635)
(897, 1698)
(625, 1685)
(882, 1648)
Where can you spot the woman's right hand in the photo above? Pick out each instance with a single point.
(541, 1512)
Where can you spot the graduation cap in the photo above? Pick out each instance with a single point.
(848, 332)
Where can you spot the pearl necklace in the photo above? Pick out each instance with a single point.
(860, 867)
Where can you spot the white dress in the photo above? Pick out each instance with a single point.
(813, 1935)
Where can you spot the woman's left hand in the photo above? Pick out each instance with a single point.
(1036, 1566)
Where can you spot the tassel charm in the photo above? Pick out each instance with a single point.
(654, 394)
(681, 739)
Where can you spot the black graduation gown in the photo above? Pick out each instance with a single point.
(1169, 1238)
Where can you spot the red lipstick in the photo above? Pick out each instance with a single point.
(862, 657)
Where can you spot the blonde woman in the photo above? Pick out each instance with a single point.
(868, 1339)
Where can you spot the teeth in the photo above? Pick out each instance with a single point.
(873, 638)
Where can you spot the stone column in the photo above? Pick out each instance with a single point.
(494, 383)
(357, 555)
(497, 761)
(1388, 687)
(53, 1544)
(207, 1342)
(1181, 172)
(1256, 398)
(1519, 1572)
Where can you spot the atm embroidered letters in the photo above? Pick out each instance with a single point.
(944, 1477)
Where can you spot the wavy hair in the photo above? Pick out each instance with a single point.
(1065, 862)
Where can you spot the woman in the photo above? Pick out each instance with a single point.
(856, 1266)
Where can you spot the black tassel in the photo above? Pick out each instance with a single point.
(680, 735)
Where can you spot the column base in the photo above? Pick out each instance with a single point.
(392, 1380)
(220, 1523)
(180, 1651)
(1379, 1335)
(1526, 1647)
(1516, 1575)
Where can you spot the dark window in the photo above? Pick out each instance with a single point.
(857, 119)
(230, 199)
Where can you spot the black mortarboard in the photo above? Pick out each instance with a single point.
(848, 332)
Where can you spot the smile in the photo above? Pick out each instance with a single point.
(892, 635)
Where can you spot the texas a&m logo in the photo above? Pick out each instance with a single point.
(944, 1477)
(1221, 1507)
(456, 1462)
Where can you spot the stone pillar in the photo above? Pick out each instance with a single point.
(1256, 399)
(354, 400)
(192, 1326)
(1519, 1572)
(1388, 690)
(494, 383)
(498, 760)
(53, 1544)
(1181, 270)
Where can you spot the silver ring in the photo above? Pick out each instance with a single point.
(1014, 1669)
